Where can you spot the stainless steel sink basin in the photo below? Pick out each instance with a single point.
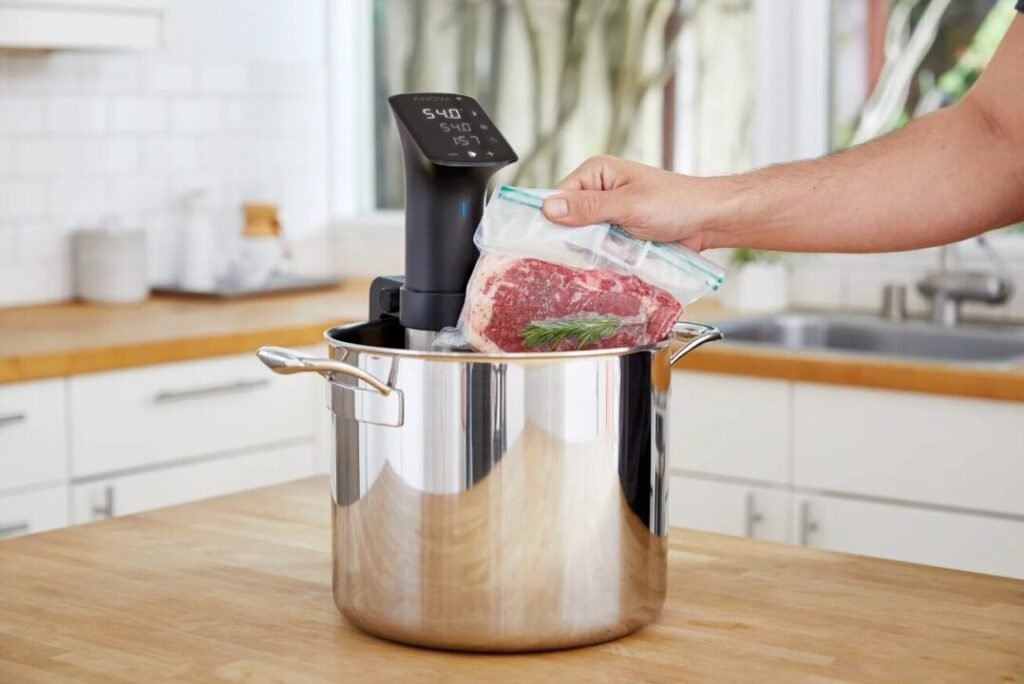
(851, 333)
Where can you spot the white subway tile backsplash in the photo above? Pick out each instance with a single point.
(196, 116)
(22, 199)
(864, 288)
(133, 194)
(109, 73)
(80, 200)
(169, 154)
(44, 240)
(21, 115)
(6, 157)
(121, 155)
(8, 243)
(138, 115)
(291, 79)
(76, 115)
(169, 77)
(86, 135)
(36, 157)
(224, 79)
(304, 114)
(815, 286)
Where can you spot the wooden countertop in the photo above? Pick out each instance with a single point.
(238, 589)
(65, 339)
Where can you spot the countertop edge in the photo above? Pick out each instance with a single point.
(184, 330)
(868, 373)
(31, 367)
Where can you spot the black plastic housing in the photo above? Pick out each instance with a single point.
(444, 201)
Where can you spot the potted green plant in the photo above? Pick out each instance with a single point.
(757, 281)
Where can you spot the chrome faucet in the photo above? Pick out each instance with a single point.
(947, 289)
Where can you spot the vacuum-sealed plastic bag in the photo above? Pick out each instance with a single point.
(539, 286)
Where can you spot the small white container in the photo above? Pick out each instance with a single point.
(199, 265)
(757, 287)
(110, 265)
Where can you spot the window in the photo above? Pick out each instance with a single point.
(564, 79)
(894, 60)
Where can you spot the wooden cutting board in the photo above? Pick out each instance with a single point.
(238, 590)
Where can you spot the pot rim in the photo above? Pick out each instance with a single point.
(489, 357)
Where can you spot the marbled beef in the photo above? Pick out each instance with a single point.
(506, 294)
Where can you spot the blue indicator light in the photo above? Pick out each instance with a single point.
(463, 208)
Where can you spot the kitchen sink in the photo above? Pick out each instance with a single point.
(850, 333)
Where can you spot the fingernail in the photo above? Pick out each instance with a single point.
(556, 207)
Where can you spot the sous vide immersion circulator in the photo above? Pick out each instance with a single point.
(450, 149)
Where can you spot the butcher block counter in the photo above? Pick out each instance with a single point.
(66, 339)
(238, 589)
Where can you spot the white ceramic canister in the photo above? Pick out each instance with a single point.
(110, 265)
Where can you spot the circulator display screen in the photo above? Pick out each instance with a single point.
(451, 128)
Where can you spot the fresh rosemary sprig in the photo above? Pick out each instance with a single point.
(586, 331)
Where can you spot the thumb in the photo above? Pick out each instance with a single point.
(583, 207)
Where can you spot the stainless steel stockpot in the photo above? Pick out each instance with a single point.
(496, 502)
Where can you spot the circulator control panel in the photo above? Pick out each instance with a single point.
(451, 129)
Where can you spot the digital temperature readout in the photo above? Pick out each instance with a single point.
(449, 121)
(451, 128)
(452, 113)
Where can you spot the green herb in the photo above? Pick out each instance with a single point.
(586, 331)
(744, 256)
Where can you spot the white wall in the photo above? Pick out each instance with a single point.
(235, 104)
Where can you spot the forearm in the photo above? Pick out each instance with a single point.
(942, 178)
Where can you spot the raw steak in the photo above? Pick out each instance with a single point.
(506, 294)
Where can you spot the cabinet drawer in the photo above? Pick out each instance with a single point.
(967, 453)
(136, 418)
(33, 433)
(729, 508)
(730, 426)
(947, 539)
(29, 512)
(180, 484)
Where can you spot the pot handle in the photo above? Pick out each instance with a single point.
(692, 335)
(288, 361)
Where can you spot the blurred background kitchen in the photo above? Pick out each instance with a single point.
(177, 158)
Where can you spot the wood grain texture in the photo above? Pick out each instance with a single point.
(66, 339)
(238, 589)
(1005, 384)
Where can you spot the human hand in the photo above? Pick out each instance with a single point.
(650, 203)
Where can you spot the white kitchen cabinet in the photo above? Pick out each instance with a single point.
(729, 508)
(33, 511)
(33, 434)
(730, 426)
(106, 498)
(948, 539)
(138, 418)
(949, 451)
(81, 24)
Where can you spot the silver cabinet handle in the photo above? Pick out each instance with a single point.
(107, 509)
(169, 396)
(12, 529)
(807, 526)
(12, 419)
(751, 516)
